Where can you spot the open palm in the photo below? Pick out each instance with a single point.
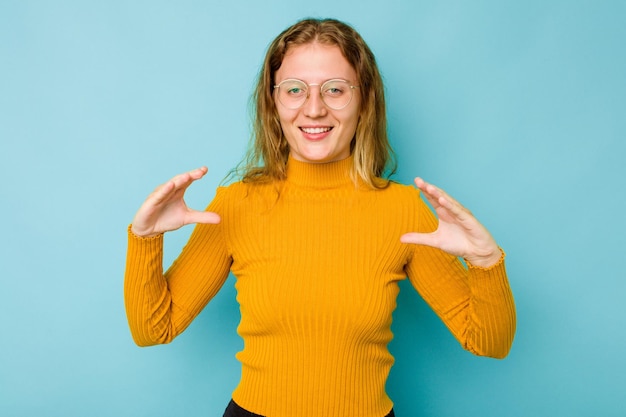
(165, 209)
(459, 232)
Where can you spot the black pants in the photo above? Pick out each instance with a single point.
(233, 410)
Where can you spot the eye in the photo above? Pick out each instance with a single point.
(335, 88)
(294, 91)
(293, 88)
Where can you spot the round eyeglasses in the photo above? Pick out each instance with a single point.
(293, 93)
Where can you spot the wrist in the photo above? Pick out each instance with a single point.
(141, 234)
(486, 261)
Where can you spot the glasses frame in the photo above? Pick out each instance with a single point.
(308, 92)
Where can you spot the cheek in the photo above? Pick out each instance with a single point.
(285, 116)
(287, 126)
(353, 120)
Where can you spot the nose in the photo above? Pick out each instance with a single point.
(314, 105)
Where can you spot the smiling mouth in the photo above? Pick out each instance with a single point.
(315, 130)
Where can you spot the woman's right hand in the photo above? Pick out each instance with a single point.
(165, 209)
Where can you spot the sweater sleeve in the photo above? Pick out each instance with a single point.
(159, 306)
(476, 304)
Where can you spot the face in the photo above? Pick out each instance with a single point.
(315, 132)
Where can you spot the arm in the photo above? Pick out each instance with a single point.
(160, 306)
(475, 303)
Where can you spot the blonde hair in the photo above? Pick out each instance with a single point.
(267, 157)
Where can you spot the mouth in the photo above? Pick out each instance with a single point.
(315, 130)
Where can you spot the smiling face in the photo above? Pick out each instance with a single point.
(316, 133)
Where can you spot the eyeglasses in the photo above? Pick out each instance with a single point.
(293, 93)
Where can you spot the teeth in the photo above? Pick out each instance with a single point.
(314, 130)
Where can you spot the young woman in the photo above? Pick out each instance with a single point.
(318, 241)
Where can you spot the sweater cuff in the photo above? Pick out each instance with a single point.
(489, 268)
(139, 247)
(131, 235)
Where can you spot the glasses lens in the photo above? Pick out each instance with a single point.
(292, 93)
(336, 94)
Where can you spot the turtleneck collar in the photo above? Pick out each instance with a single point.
(323, 176)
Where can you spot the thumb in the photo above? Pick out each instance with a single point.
(418, 238)
(203, 217)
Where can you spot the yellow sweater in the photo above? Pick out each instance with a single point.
(317, 262)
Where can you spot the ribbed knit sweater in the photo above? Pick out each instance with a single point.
(317, 261)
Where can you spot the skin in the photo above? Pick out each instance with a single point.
(165, 209)
(459, 232)
(316, 63)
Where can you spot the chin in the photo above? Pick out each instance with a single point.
(320, 159)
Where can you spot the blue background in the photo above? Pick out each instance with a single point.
(517, 108)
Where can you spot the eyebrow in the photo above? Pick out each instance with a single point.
(320, 83)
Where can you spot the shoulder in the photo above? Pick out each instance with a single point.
(240, 189)
(231, 190)
(399, 192)
(405, 202)
(244, 194)
(396, 199)
(402, 199)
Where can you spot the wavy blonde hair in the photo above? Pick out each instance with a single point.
(267, 156)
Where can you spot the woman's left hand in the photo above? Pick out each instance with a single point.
(459, 233)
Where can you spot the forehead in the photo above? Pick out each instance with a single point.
(315, 62)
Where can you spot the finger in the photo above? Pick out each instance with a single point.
(432, 191)
(182, 181)
(416, 238)
(426, 193)
(161, 193)
(439, 198)
(203, 217)
(455, 209)
(177, 184)
(427, 239)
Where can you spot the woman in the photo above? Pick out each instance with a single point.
(318, 241)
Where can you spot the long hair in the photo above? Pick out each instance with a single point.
(267, 157)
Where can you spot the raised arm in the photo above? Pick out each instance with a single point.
(475, 303)
(160, 306)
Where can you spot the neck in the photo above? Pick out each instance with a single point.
(326, 175)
